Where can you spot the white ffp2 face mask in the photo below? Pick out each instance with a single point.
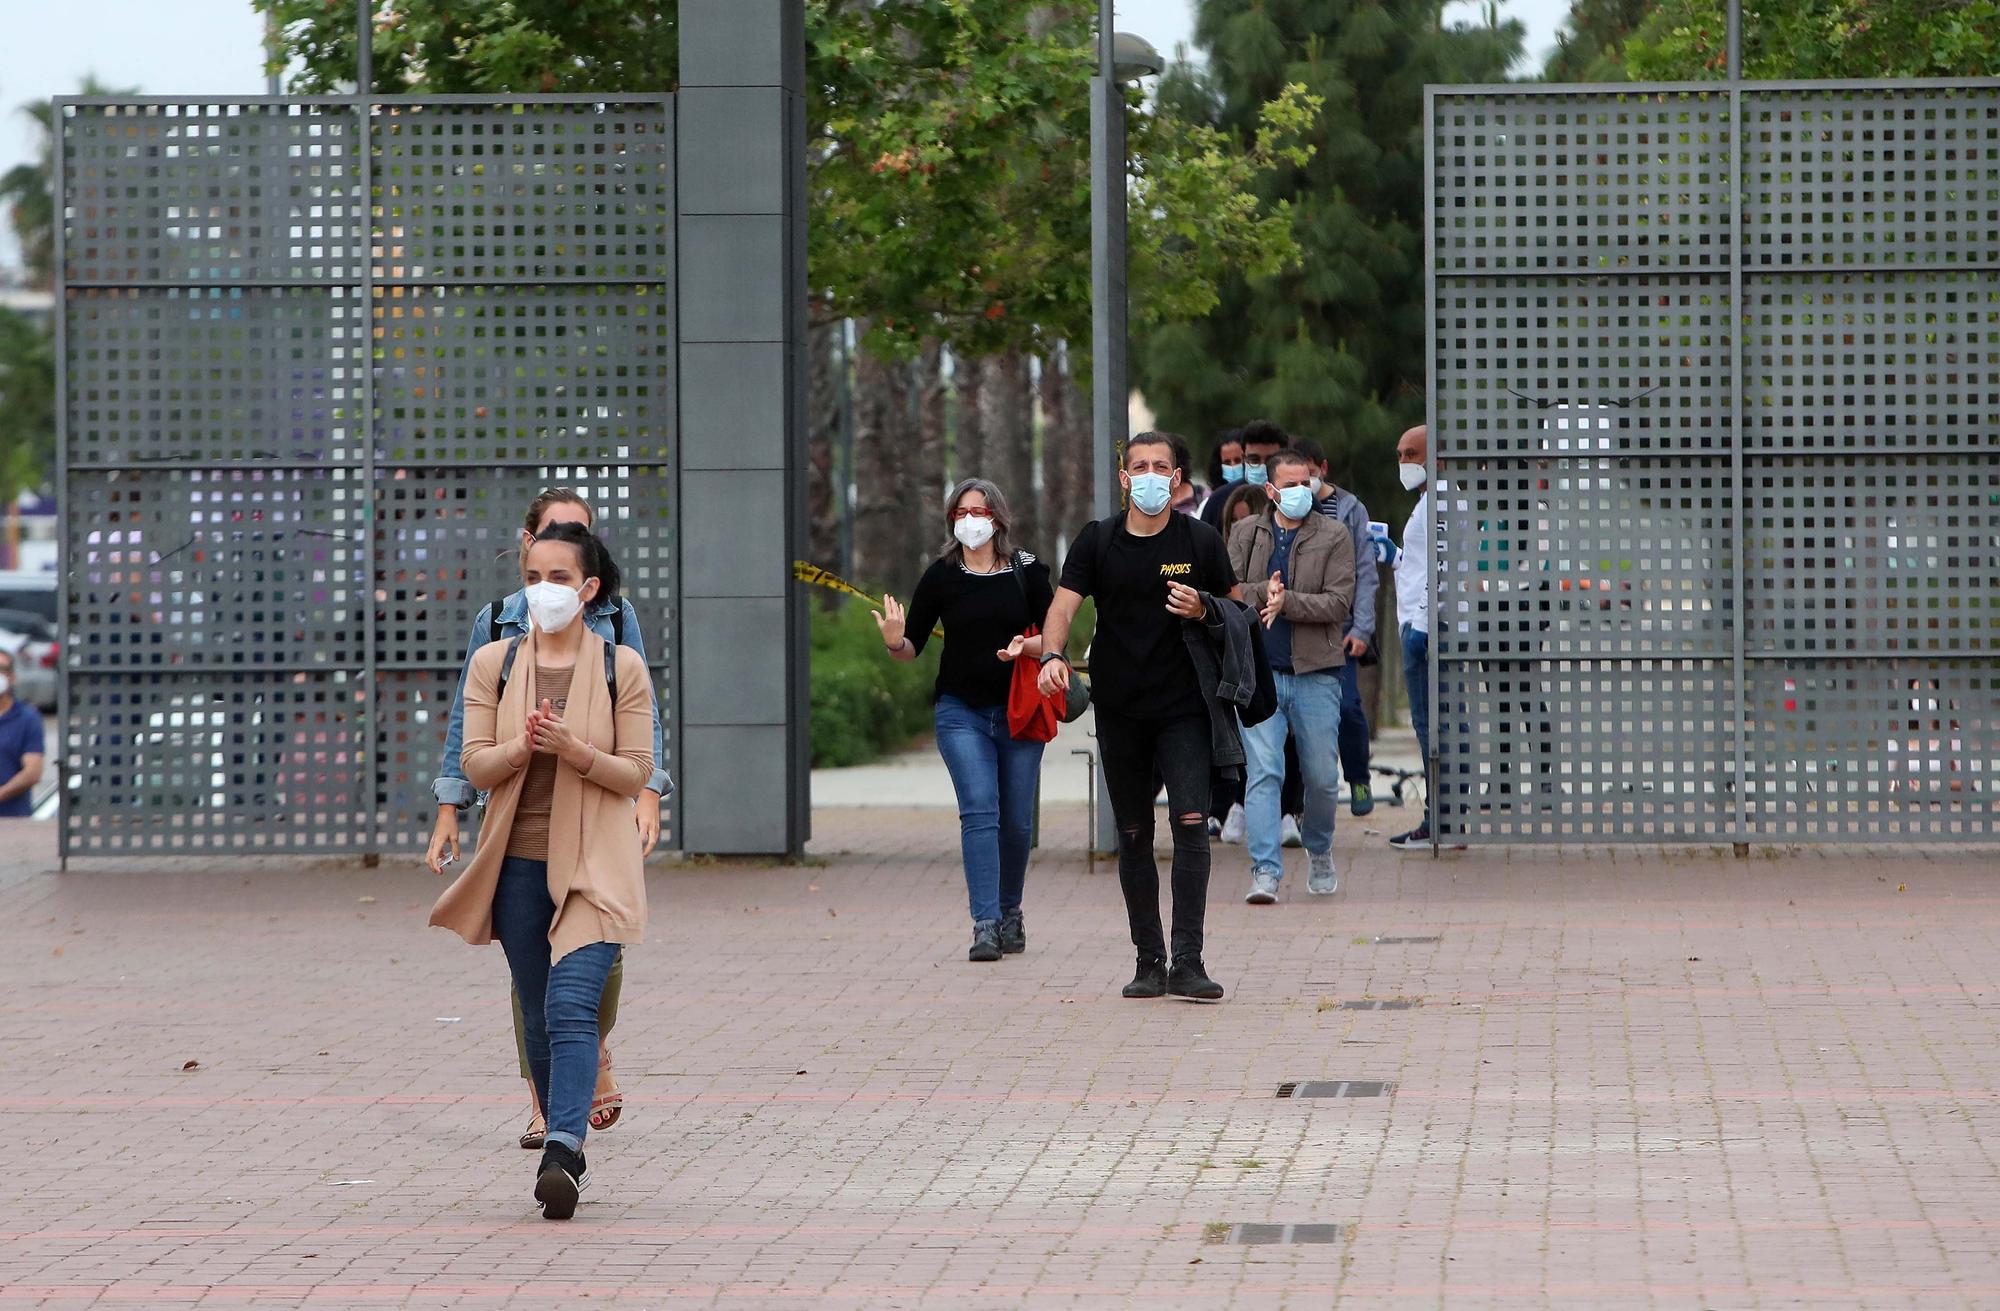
(972, 533)
(1413, 476)
(552, 606)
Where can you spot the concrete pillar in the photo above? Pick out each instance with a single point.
(741, 221)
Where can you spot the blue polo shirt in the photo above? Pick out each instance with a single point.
(20, 735)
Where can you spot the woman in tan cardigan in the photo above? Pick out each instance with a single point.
(558, 876)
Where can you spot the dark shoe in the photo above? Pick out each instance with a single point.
(1360, 800)
(985, 941)
(1189, 978)
(1420, 836)
(562, 1180)
(1150, 980)
(1013, 934)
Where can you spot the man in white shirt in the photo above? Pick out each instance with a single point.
(1413, 605)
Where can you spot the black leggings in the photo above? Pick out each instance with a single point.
(1138, 755)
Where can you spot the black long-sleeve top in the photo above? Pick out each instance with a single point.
(981, 613)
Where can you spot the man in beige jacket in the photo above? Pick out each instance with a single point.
(1298, 571)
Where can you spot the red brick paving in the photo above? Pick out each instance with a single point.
(1637, 1078)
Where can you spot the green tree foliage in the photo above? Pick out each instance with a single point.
(1591, 45)
(1333, 348)
(949, 158)
(1686, 40)
(27, 405)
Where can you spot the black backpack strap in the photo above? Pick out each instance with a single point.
(506, 669)
(618, 627)
(493, 622)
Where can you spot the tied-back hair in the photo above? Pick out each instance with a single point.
(553, 496)
(595, 557)
(1003, 520)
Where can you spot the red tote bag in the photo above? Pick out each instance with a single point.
(1031, 717)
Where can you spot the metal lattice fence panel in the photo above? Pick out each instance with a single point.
(1716, 408)
(318, 356)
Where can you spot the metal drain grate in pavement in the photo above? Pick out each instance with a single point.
(1337, 1088)
(1260, 1235)
(1383, 1004)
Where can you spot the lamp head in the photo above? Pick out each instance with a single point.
(1133, 57)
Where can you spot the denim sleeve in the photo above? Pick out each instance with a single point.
(450, 787)
(1367, 576)
(635, 637)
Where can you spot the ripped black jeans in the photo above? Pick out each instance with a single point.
(1138, 755)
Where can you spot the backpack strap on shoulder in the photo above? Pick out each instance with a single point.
(618, 625)
(506, 669)
(493, 633)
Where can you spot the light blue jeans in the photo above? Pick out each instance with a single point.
(1308, 709)
(995, 777)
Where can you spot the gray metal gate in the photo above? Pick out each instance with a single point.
(1715, 399)
(318, 355)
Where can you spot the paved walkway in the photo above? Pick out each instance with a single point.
(1626, 1079)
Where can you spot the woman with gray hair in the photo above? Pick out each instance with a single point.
(987, 595)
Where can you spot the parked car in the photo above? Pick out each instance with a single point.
(34, 593)
(31, 640)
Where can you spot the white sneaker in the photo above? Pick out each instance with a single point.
(1322, 880)
(1232, 826)
(1288, 833)
(1263, 889)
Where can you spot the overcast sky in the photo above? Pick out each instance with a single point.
(215, 47)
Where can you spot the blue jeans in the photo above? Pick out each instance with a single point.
(1309, 709)
(559, 1004)
(1353, 726)
(996, 778)
(1417, 681)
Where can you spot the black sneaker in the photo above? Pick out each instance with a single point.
(1360, 800)
(1013, 934)
(1189, 978)
(985, 941)
(1420, 836)
(562, 1179)
(1149, 980)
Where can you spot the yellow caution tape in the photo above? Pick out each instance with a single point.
(807, 572)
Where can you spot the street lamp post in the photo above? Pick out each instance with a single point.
(1121, 58)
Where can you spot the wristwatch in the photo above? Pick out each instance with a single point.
(1054, 655)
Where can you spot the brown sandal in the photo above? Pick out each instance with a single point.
(609, 1103)
(538, 1126)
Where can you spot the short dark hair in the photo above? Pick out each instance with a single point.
(1309, 448)
(593, 554)
(1262, 432)
(1172, 441)
(1290, 455)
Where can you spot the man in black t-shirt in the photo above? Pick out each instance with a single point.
(1151, 574)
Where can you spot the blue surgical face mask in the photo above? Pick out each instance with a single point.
(1295, 502)
(1232, 473)
(1257, 475)
(1151, 491)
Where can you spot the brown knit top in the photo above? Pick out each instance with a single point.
(529, 838)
